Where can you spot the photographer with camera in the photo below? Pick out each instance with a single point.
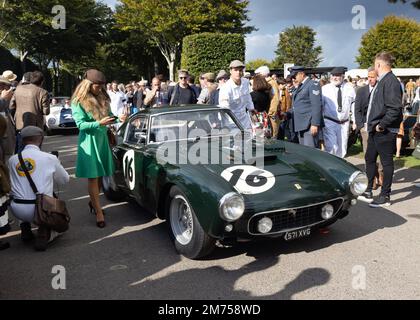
(45, 170)
(155, 97)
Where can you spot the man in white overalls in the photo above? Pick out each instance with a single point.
(338, 103)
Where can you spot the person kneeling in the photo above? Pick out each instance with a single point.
(45, 170)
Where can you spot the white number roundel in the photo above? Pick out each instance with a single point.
(249, 179)
(129, 169)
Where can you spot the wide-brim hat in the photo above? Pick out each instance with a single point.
(9, 75)
(5, 81)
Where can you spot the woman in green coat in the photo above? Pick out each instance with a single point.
(92, 113)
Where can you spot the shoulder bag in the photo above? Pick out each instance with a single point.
(49, 211)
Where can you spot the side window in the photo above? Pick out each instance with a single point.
(137, 131)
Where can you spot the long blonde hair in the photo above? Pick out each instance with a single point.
(98, 106)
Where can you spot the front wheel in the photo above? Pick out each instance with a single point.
(189, 237)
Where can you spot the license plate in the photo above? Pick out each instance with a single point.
(302, 233)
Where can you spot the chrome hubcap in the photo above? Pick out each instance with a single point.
(181, 220)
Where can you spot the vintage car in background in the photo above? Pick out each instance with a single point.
(60, 117)
(297, 190)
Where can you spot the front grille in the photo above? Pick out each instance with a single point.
(286, 220)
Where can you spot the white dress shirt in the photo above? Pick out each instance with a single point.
(117, 102)
(45, 170)
(238, 99)
(330, 101)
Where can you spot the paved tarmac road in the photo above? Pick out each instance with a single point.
(372, 254)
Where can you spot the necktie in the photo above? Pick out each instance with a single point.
(340, 99)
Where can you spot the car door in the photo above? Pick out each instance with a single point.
(129, 174)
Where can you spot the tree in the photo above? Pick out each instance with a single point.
(400, 36)
(211, 52)
(166, 23)
(255, 64)
(29, 29)
(415, 3)
(297, 45)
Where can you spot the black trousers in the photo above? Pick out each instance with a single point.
(382, 144)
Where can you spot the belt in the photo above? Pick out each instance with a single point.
(20, 201)
(336, 121)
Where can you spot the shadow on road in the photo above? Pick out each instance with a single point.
(219, 283)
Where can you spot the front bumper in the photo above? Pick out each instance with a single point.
(288, 220)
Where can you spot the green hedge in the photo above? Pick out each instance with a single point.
(211, 52)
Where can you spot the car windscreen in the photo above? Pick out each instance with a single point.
(191, 124)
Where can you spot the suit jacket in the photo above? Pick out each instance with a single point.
(387, 108)
(361, 106)
(307, 106)
(31, 103)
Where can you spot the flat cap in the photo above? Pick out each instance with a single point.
(222, 75)
(236, 64)
(96, 76)
(339, 70)
(31, 131)
(264, 71)
(209, 76)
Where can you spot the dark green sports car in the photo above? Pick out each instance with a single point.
(196, 168)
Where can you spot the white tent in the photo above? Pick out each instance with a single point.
(406, 73)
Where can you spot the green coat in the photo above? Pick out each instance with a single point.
(94, 157)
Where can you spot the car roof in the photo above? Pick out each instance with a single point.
(172, 109)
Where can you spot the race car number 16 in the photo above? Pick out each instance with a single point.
(249, 180)
(129, 169)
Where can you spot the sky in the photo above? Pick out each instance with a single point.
(332, 20)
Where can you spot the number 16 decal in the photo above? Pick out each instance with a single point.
(129, 169)
(249, 180)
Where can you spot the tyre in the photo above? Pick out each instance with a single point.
(189, 237)
(111, 190)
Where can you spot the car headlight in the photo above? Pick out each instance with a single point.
(231, 207)
(358, 183)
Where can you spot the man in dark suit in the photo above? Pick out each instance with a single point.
(307, 108)
(360, 110)
(384, 117)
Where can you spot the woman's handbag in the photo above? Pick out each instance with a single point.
(112, 138)
(50, 212)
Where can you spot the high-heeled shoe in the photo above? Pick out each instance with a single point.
(92, 209)
(100, 224)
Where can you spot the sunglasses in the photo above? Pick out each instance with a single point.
(183, 78)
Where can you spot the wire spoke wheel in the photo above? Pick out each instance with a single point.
(181, 220)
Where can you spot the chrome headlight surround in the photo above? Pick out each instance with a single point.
(231, 207)
(358, 183)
